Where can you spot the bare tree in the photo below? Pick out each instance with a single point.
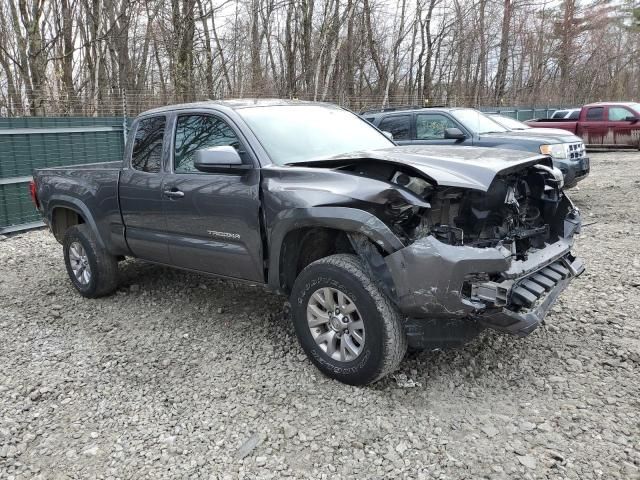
(93, 56)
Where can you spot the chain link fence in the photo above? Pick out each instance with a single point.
(115, 102)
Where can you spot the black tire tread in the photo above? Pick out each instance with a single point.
(107, 272)
(395, 346)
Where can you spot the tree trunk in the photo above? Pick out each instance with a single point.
(503, 59)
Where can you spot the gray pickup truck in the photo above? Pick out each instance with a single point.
(466, 126)
(376, 246)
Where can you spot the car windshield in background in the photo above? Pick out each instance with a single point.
(297, 133)
(635, 106)
(510, 123)
(476, 121)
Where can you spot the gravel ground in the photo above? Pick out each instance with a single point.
(181, 376)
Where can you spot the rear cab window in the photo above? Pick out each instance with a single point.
(398, 125)
(595, 114)
(147, 144)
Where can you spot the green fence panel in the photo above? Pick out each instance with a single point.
(33, 142)
(16, 208)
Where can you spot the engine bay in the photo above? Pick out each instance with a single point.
(521, 210)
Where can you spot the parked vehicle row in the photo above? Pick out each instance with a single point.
(377, 246)
(601, 125)
(469, 127)
(518, 126)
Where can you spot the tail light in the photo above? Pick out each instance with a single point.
(34, 194)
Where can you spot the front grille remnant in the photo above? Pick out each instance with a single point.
(576, 151)
(526, 291)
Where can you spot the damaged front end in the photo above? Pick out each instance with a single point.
(485, 235)
(498, 257)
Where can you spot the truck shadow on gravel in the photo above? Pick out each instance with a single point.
(222, 306)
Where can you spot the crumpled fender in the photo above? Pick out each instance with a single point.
(340, 218)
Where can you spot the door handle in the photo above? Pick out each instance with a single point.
(173, 193)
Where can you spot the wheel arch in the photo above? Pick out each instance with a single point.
(62, 218)
(65, 211)
(305, 235)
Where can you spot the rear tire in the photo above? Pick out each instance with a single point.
(91, 269)
(347, 327)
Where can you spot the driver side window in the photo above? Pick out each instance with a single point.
(432, 126)
(619, 114)
(196, 132)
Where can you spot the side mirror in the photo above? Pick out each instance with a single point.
(218, 159)
(454, 134)
(389, 135)
(632, 119)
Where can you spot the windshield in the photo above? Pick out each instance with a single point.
(297, 133)
(635, 106)
(510, 123)
(477, 121)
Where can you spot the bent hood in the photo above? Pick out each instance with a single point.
(465, 167)
(563, 135)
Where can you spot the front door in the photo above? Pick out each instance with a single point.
(430, 129)
(594, 127)
(212, 219)
(623, 130)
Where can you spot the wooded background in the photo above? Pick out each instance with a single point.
(106, 57)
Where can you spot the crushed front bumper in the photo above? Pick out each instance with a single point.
(432, 279)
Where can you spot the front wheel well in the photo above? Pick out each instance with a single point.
(62, 218)
(304, 246)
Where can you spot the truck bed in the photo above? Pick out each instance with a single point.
(91, 190)
(564, 124)
(117, 165)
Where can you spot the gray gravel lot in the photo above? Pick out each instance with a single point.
(182, 376)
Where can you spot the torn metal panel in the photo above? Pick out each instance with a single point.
(375, 264)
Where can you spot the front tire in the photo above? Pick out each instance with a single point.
(347, 327)
(92, 270)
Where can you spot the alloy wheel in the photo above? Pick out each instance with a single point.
(335, 324)
(79, 263)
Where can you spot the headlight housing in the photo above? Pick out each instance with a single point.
(556, 150)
